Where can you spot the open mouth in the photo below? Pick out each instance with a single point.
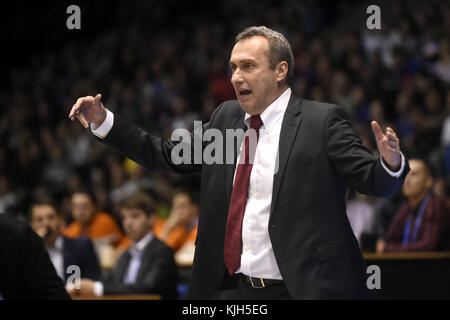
(244, 92)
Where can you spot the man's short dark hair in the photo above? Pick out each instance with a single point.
(43, 201)
(87, 192)
(193, 195)
(428, 167)
(139, 200)
(279, 48)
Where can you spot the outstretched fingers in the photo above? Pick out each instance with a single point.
(83, 120)
(97, 99)
(377, 131)
(75, 109)
(79, 108)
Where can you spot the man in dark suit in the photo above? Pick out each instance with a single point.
(274, 227)
(147, 267)
(64, 252)
(26, 271)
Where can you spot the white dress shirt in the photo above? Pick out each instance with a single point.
(136, 251)
(57, 257)
(257, 258)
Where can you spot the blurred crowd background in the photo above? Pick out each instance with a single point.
(165, 64)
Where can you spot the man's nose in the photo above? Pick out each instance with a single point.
(236, 78)
(126, 224)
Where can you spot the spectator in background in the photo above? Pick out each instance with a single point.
(88, 222)
(422, 223)
(47, 222)
(148, 266)
(26, 271)
(98, 226)
(181, 226)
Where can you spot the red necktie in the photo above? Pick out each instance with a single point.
(233, 233)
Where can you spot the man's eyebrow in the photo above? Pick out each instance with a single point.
(243, 61)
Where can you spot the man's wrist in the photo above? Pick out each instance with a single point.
(99, 123)
(394, 173)
(104, 128)
(392, 168)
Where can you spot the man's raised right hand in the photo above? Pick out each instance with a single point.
(89, 110)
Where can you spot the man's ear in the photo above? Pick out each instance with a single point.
(282, 70)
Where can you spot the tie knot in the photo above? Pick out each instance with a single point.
(255, 122)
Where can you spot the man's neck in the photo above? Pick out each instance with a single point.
(50, 243)
(279, 93)
(414, 202)
(134, 242)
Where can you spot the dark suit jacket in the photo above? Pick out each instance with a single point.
(26, 271)
(319, 155)
(80, 252)
(158, 273)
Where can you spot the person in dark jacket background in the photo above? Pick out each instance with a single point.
(26, 271)
(47, 222)
(147, 267)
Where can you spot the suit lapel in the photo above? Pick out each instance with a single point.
(122, 265)
(146, 258)
(291, 122)
(237, 123)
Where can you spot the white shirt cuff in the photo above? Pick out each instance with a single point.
(98, 288)
(394, 174)
(102, 130)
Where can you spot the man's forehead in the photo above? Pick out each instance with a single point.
(417, 165)
(249, 48)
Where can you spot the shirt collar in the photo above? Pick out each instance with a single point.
(274, 112)
(141, 244)
(58, 245)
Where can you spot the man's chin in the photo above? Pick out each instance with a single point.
(247, 107)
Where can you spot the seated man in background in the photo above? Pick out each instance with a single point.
(181, 226)
(98, 226)
(422, 222)
(47, 222)
(26, 271)
(148, 266)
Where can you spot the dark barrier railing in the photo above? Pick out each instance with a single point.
(412, 275)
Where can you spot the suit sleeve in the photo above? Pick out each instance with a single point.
(154, 153)
(160, 278)
(359, 168)
(38, 270)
